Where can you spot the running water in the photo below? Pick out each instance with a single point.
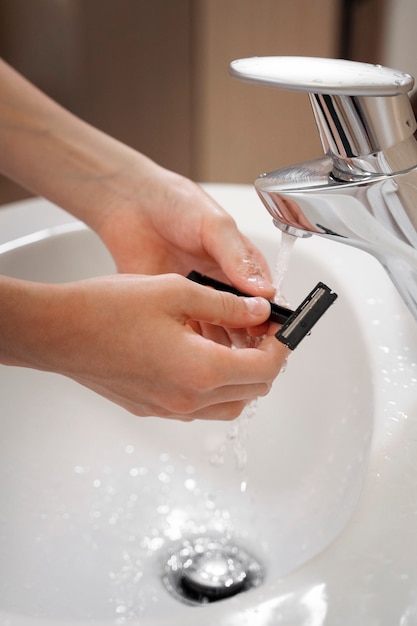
(281, 268)
(238, 431)
(236, 437)
(282, 265)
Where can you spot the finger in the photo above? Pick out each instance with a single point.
(215, 333)
(240, 260)
(225, 309)
(252, 365)
(233, 393)
(224, 411)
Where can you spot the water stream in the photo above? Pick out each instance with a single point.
(282, 265)
(238, 431)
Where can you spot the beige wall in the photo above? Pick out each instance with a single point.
(242, 130)
(400, 36)
(154, 73)
(123, 65)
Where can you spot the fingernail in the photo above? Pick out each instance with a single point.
(257, 306)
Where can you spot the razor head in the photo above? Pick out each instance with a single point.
(302, 320)
(296, 324)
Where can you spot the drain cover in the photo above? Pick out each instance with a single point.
(205, 570)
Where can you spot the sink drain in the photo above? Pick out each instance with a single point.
(205, 570)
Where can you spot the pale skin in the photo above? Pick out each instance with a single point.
(147, 338)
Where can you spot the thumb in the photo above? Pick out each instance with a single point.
(239, 259)
(225, 309)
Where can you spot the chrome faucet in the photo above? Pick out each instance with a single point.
(364, 191)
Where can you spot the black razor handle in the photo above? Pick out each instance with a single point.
(279, 314)
(295, 324)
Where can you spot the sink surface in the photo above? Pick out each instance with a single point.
(93, 498)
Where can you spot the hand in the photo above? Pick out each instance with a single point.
(155, 345)
(153, 221)
(135, 341)
(166, 223)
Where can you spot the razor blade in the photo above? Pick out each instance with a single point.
(300, 323)
(295, 324)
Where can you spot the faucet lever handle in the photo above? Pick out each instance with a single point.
(324, 76)
(361, 110)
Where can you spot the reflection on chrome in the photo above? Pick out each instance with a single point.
(378, 216)
(364, 192)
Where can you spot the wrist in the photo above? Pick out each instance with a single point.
(27, 322)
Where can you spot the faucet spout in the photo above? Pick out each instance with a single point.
(377, 215)
(364, 191)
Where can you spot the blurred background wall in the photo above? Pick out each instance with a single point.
(154, 73)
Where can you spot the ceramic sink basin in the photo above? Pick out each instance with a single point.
(318, 481)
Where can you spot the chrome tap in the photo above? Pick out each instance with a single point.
(364, 191)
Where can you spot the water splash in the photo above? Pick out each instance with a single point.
(236, 439)
(237, 435)
(282, 265)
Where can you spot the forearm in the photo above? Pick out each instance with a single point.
(121, 335)
(26, 322)
(152, 220)
(54, 154)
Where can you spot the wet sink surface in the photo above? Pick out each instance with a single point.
(93, 498)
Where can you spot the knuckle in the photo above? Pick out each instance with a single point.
(219, 220)
(233, 306)
(190, 398)
(226, 302)
(183, 404)
(174, 281)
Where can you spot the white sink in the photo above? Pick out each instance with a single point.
(93, 498)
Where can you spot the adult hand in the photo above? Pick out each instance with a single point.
(154, 345)
(152, 220)
(167, 223)
(136, 341)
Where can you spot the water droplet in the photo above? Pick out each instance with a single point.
(190, 484)
(217, 459)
